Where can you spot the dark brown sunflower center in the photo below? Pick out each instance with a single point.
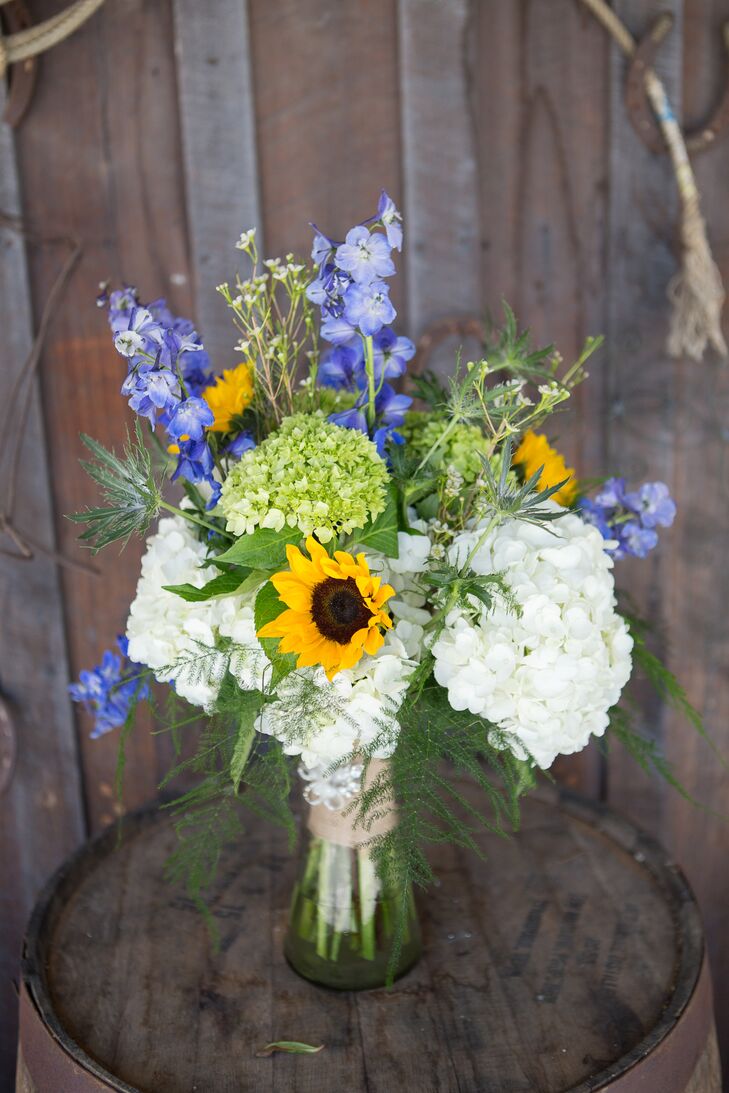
(338, 609)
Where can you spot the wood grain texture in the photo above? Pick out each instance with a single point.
(219, 145)
(41, 810)
(502, 126)
(443, 252)
(667, 420)
(697, 627)
(104, 119)
(542, 187)
(641, 401)
(570, 948)
(327, 116)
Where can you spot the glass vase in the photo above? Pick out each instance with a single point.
(343, 914)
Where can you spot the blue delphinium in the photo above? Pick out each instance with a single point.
(241, 443)
(368, 307)
(108, 690)
(390, 411)
(356, 314)
(152, 391)
(343, 367)
(168, 370)
(391, 220)
(391, 355)
(189, 420)
(365, 255)
(628, 519)
(653, 503)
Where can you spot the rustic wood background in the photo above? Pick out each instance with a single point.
(166, 126)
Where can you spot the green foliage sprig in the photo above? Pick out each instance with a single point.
(438, 748)
(129, 487)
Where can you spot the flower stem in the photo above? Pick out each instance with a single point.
(479, 542)
(445, 435)
(187, 515)
(369, 351)
(367, 897)
(323, 900)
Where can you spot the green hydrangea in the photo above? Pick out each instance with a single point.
(462, 450)
(308, 398)
(309, 474)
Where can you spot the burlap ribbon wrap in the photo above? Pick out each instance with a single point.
(343, 828)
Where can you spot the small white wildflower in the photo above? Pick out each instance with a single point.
(245, 241)
(453, 483)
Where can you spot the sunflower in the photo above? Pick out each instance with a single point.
(335, 608)
(229, 396)
(534, 452)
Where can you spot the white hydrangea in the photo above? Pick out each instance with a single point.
(172, 636)
(548, 676)
(325, 721)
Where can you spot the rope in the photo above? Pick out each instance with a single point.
(696, 291)
(37, 39)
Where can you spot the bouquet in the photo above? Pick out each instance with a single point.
(385, 591)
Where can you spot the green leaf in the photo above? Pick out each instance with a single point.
(225, 584)
(268, 607)
(248, 705)
(292, 1047)
(264, 549)
(381, 534)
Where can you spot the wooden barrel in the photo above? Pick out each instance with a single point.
(572, 958)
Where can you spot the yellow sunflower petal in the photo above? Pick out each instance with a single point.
(316, 550)
(373, 641)
(383, 594)
(278, 627)
(297, 628)
(333, 569)
(301, 566)
(343, 557)
(294, 592)
(300, 633)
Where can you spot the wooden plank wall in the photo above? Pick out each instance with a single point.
(161, 130)
(41, 814)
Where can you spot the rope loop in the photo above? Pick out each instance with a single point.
(37, 39)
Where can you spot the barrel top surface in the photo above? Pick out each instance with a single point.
(557, 963)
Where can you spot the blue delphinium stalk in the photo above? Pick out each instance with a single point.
(108, 690)
(356, 315)
(241, 443)
(628, 519)
(168, 370)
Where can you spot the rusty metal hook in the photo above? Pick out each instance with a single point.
(639, 110)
